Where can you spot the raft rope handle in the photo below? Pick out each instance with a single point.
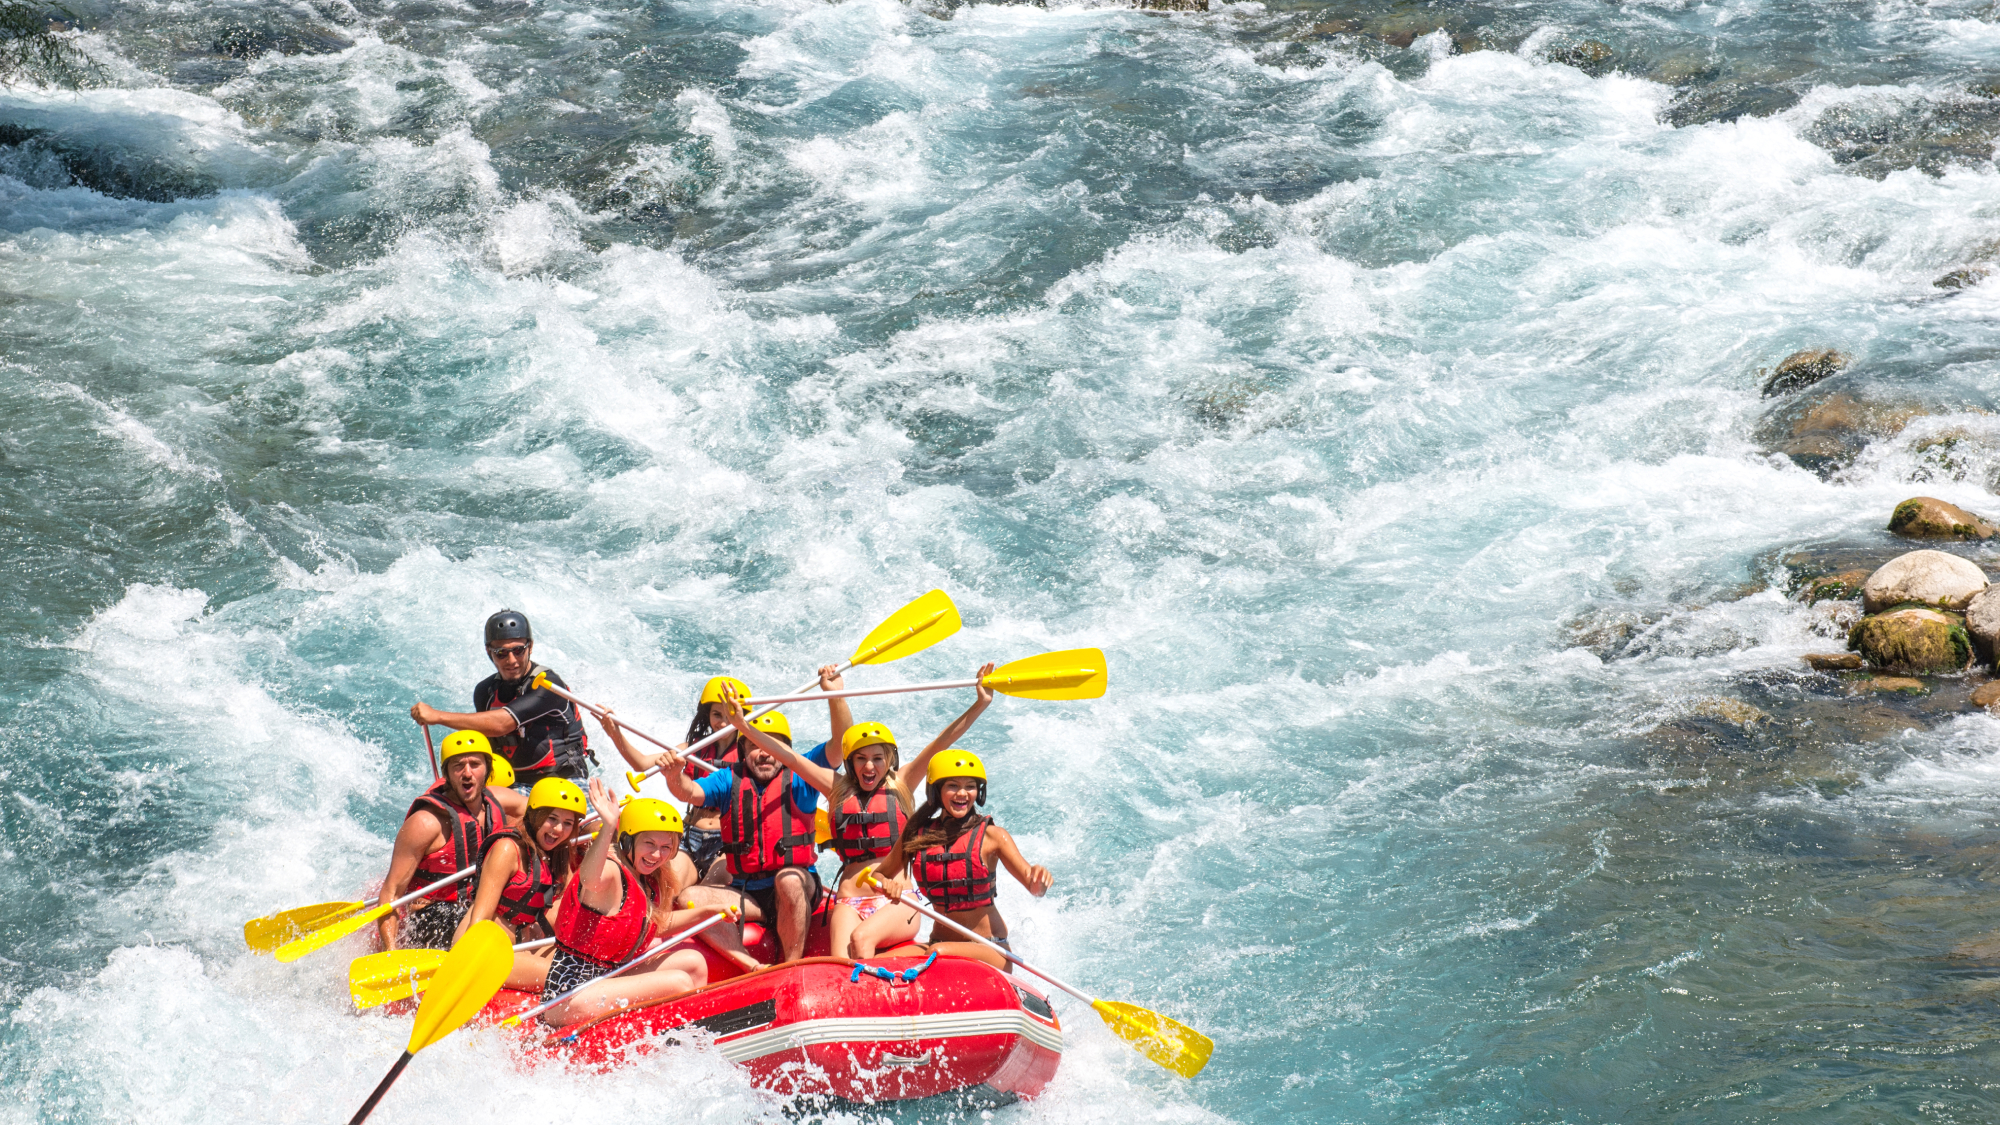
(888, 974)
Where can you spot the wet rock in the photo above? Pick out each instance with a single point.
(1826, 433)
(1927, 517)
(1727, 100)
(1587, 55)
(1171, 5)
(240, 41)
(107, 164)
(1912, 642)
(1986, 695)
(1833, 587)
(1963, 278)
(1904, 685)
(1927, 578)
(1875, 136)
(1803, 368)
(1834, 661)
(1982, 621)
(1732, 711)
(1685, 69)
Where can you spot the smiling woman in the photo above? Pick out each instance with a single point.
(1379, 383)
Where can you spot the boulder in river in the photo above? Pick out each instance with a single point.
(1803, 368)
(1834, 661)
(1928, 578)
(1982, 620)
(1833, 587)
(1827, 432)
(1986, 695)
(1926, 517)
(1912, 642)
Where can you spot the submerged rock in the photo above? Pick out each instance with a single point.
(1904, 684)
(1727, 100)
(1963, 278)
(1587, 55)
(1827, 432)
(1803, 368)
(1927, 517)
(1834, 661)
(1986, 695)
(1928, 578)
(1912, 642)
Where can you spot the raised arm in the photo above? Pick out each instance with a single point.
(842, 716)
(1000, 844)
(633, 758)
(601, 887)
(817, 776)
(913, 771)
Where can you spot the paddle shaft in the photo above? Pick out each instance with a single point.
(671, 939)
(1003, 951)
(629, 729)
(388, 1080)
(433, 750)
(417, 894)
(849, 693)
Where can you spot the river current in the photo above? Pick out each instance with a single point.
(1377, 384)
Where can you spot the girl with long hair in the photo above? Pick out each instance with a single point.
(521, 871)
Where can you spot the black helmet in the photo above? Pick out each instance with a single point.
(507, 625)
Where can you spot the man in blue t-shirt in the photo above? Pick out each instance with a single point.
(767, 833)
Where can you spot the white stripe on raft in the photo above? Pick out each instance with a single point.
(887, 1029)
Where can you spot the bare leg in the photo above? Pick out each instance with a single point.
(726, 939)
(531, 969)
(794, 912)
(890, 926)
(605, 996)
(841, 921)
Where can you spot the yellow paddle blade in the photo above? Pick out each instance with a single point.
(1173, 1045)
(265, 934)
(1076, 673)
(910, 630)
(471, 973)
(366, 998)
(378, 971)
(329, 933)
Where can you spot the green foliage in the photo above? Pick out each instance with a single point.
(37, 44)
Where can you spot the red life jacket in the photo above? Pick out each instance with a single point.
(866, 826)
(465, 839)
(721, 755)
(525, 898)
(764, 830)
(954, 876)
(607, 940)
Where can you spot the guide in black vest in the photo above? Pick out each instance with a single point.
(539, 732)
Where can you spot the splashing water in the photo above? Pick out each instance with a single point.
(1378, 386)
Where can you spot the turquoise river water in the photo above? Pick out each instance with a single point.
(1377, 384)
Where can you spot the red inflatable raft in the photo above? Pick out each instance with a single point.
(820, 1026)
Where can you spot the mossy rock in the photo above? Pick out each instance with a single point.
(1803, 368)
(1927, 517)
(1912, 642)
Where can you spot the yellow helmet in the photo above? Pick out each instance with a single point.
(649, 814)
(711, 692)
(774, 722)
(865, 734)
(461, 742)
(955, 763)
(557, 793)
(502, 773)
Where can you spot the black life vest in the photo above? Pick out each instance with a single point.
(763, 829)
(954, 876)
(866, 826)
(465, 837)
(548, 745)
(525, 899)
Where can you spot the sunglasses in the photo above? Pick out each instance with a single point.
(508, 653)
